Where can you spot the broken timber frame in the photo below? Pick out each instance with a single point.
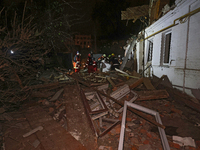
(128, 53)
(146, 110)
(132, 110)
(120, 103)
(103, 105)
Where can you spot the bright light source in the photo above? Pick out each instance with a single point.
(11, 51)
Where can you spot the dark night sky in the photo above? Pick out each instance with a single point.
(87, 25)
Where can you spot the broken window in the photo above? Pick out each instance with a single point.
(150, 50)
(166, 47)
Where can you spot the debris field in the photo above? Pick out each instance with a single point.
(101, 111)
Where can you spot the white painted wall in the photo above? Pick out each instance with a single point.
(139, 55)
(184, 67)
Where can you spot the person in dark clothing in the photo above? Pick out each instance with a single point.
(114, 62)
(89, 64)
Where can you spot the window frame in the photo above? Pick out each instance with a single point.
(169, 47)
(150, 43)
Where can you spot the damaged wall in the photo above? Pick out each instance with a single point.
(181, 64)
(139, 54)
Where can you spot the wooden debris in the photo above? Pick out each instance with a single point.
(120, 92)
(102, 87)
(150, 95)
(39, 128)
(110, 81)
(7, 117)
(148, 84)
(36, 143)
(42, 94)
(2, 110)
(137, 83)
(113, 123)
(40, 86)
(94, 117)
(129, 76)
(141, 114)
(56, 115)
(56, 96)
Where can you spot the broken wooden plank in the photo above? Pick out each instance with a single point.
(141, 114)
(101, 102)
(39, 94)
(150, 95)
(36, 143)
(129, 76)
(110, 81)
(102, 87)
(159, 81)
(120, 92)
(137, 83)
(75, 78)
(56, 96)
(39, 128)
(40, 86)
(96, 116)
(148, 84)
(114, 123)
(7, 117)
(87, 114)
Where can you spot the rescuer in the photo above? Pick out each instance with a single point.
(89, 64)
(77, 60)
(94, 64)
(114, 62)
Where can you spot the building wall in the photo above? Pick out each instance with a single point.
(84, 41)
(183, 68)
(139, 55)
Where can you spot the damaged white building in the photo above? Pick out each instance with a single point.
(172, 46)
(171, 43)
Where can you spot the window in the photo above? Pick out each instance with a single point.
(166, 47)
(150, 50)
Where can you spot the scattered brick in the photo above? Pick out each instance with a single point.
(134, 140)
(128, 119)
(176, 111)
(105, 147)
(174, 145)
(149, 135)
(191, 148)
(134, 148)
(51, 110)
(143, 131)
(146, 142)
(118, 129)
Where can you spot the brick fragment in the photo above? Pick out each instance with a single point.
(128, 119)
(149, 135)
(146, 142)
(105, 147)
(143, 131)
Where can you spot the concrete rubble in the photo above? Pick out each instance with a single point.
(89, 107)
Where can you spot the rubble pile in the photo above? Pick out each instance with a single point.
(122, 110)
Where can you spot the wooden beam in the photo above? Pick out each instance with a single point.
(137, 83)
(110, 81)
(141, 114)
(150, 95)
(148, 84)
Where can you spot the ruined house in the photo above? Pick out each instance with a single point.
(172, 44)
